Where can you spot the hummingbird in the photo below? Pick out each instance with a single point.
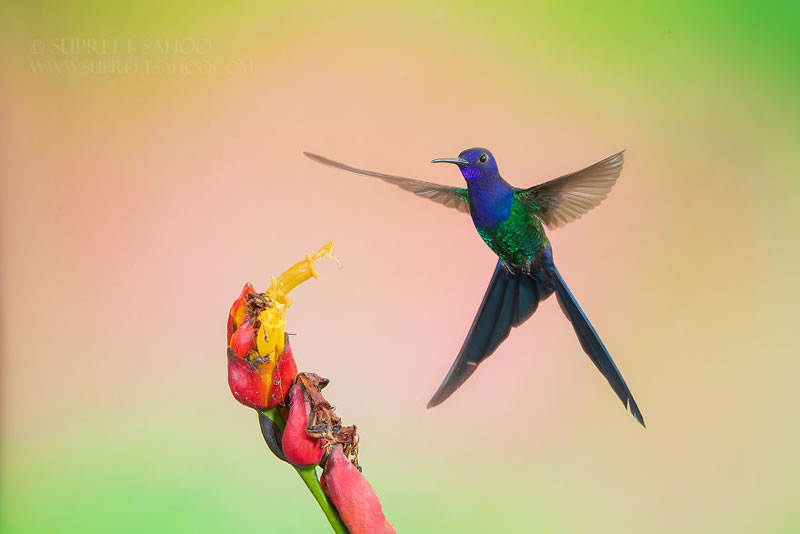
(512, 221)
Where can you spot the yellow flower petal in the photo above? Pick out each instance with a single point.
(270, 335)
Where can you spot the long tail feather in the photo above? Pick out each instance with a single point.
(510, 299)
(592, 345)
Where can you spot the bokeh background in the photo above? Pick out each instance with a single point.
(146, 175)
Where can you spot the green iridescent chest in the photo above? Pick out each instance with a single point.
(518, 238)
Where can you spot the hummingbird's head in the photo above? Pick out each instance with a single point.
(475, 163)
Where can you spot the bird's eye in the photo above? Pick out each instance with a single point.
(484, 158)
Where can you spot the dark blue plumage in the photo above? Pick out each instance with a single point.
(511, 298)
(592, 345)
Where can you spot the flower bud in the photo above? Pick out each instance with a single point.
(353, 497)
(300, 449)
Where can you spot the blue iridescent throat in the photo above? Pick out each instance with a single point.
(491, 198)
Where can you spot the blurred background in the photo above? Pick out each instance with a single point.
(151, 163)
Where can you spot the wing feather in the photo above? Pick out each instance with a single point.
(452, 197)
(566, 198)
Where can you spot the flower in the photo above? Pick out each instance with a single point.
(353, 497)
(262, 373)
(300, 449)
(261, 368)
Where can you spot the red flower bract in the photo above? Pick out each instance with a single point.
(282, 377)
(243, 340)
(245, 382)
(300, 449)
(237, 313)
(259, 382)
(353, 497)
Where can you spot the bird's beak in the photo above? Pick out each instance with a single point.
(458, 161)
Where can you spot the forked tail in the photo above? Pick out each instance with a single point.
(510, 300)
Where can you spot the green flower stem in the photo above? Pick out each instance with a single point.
(309, 476)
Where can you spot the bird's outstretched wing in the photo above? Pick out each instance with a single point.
(452, 197)
(564, 199)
